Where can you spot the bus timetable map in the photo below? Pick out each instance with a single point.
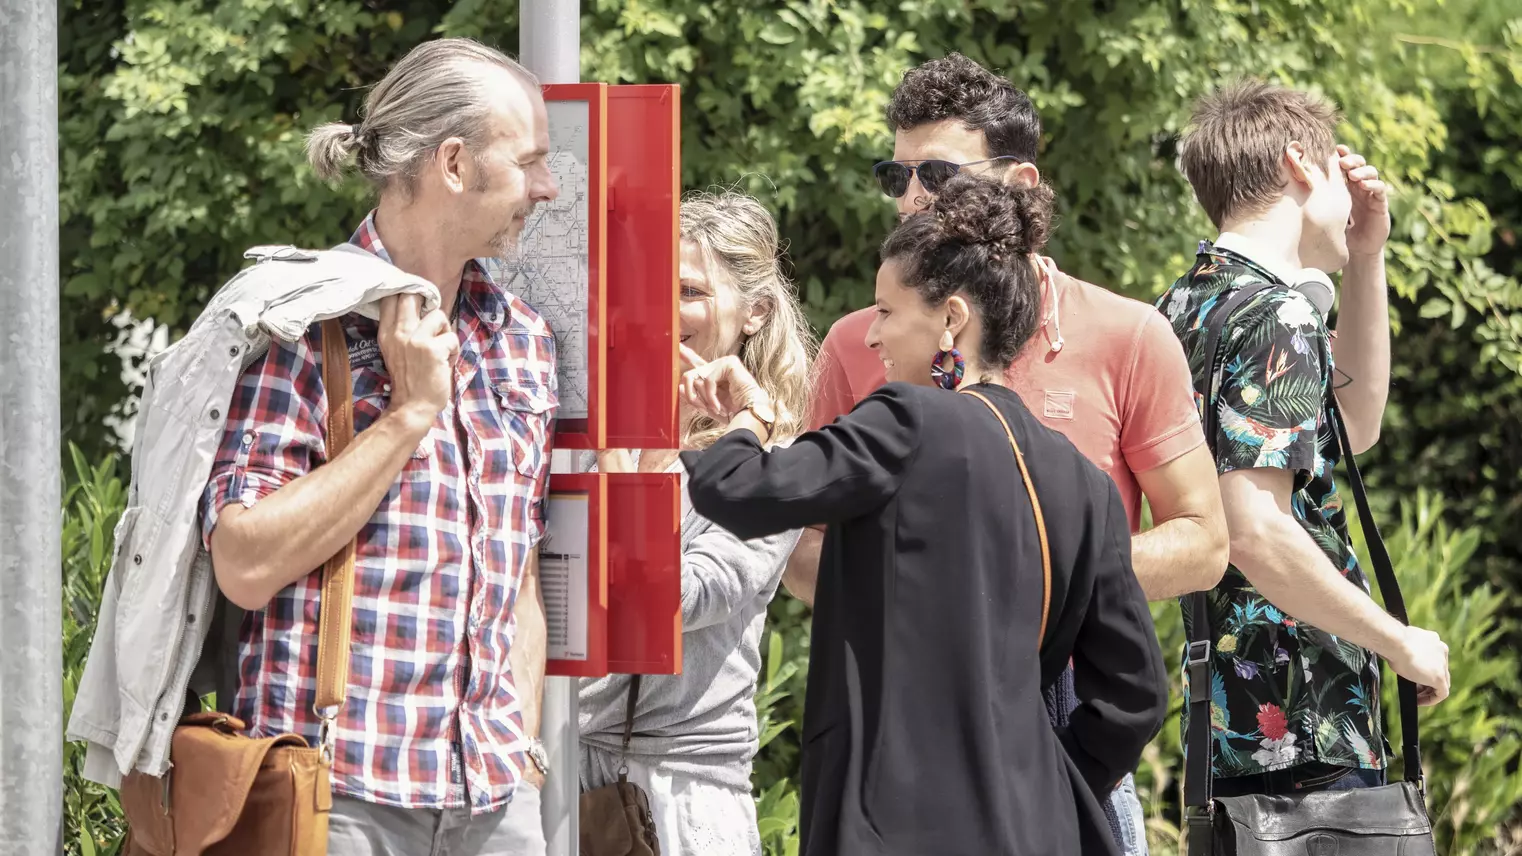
(549, 271)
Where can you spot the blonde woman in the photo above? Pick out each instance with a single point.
(694, 734)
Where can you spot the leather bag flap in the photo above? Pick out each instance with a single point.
(1390, 810)
(604, 826)
(214, 769)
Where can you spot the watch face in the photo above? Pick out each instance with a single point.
(765, 412)
(536, 754)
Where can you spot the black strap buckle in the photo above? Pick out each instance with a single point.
(1199, 652)
(1200, 823)
(1198, 660)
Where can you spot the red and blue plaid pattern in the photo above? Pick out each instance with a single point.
(433, 718)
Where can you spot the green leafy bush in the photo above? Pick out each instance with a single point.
(92, 504)
(777, 804)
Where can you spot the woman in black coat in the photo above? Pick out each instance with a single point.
(925, 730)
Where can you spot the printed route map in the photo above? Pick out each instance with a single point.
(549, 271)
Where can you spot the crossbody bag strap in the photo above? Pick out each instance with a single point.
(629, 708)
(1197, 745)
(1395, 604)
(335, 620)
(1030, 488)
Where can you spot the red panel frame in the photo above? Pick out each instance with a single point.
(593, 487)
(644, 573)
(644, 183)
(591, 433)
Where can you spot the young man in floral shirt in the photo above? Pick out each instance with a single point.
(1295, 686)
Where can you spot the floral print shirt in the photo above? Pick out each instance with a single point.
(1282, 693)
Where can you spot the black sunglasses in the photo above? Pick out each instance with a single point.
(893, 176)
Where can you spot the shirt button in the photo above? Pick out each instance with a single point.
(386, 388)
(248, 438)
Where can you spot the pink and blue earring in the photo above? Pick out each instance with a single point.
(939, 374)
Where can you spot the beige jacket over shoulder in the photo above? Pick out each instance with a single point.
(161, 592)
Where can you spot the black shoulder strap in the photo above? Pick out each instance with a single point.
(1197, 776)
(1395, 603)
(630, 705)
(1214, 331)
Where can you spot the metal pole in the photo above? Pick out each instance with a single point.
(31, 614)
(549, 39)
(549, 45)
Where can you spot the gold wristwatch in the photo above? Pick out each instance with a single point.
(764, 413)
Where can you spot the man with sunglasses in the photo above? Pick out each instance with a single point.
(1113, 379)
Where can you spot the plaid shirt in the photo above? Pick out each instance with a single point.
(433, 718)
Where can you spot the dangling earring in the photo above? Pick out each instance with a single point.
(938, 373)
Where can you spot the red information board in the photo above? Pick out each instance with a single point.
(644, 573)
(611, 572)
(644, 177)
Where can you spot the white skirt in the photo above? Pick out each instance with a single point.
(693, 817)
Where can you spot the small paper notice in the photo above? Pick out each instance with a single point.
(563, 575)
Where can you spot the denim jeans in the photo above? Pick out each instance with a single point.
(1301, 779)
(1133, 821)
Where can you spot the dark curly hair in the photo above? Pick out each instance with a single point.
(955, 87)
(976, 239)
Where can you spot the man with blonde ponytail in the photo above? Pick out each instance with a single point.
(443, 486)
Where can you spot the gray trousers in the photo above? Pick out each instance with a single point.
(359, 828)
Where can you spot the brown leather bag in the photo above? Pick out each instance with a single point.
(615, 820)
(226, 793)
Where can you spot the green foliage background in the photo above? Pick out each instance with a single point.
(182, 122)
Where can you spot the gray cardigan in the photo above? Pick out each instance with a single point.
(702, 722)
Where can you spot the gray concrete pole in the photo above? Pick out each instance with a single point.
(549, 45)
(31, 613)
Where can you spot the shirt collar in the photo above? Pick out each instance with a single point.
(478, 291)
(1254, 252)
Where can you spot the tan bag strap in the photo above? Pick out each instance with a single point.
(335, 618)
(1030, 488)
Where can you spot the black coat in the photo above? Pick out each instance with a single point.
(924, 728)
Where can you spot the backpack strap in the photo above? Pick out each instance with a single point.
(335, 615)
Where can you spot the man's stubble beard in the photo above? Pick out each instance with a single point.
(504, 244)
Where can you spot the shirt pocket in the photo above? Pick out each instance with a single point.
(372, 397)
(527, 403)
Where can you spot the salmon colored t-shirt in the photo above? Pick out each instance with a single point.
(1119, 388)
